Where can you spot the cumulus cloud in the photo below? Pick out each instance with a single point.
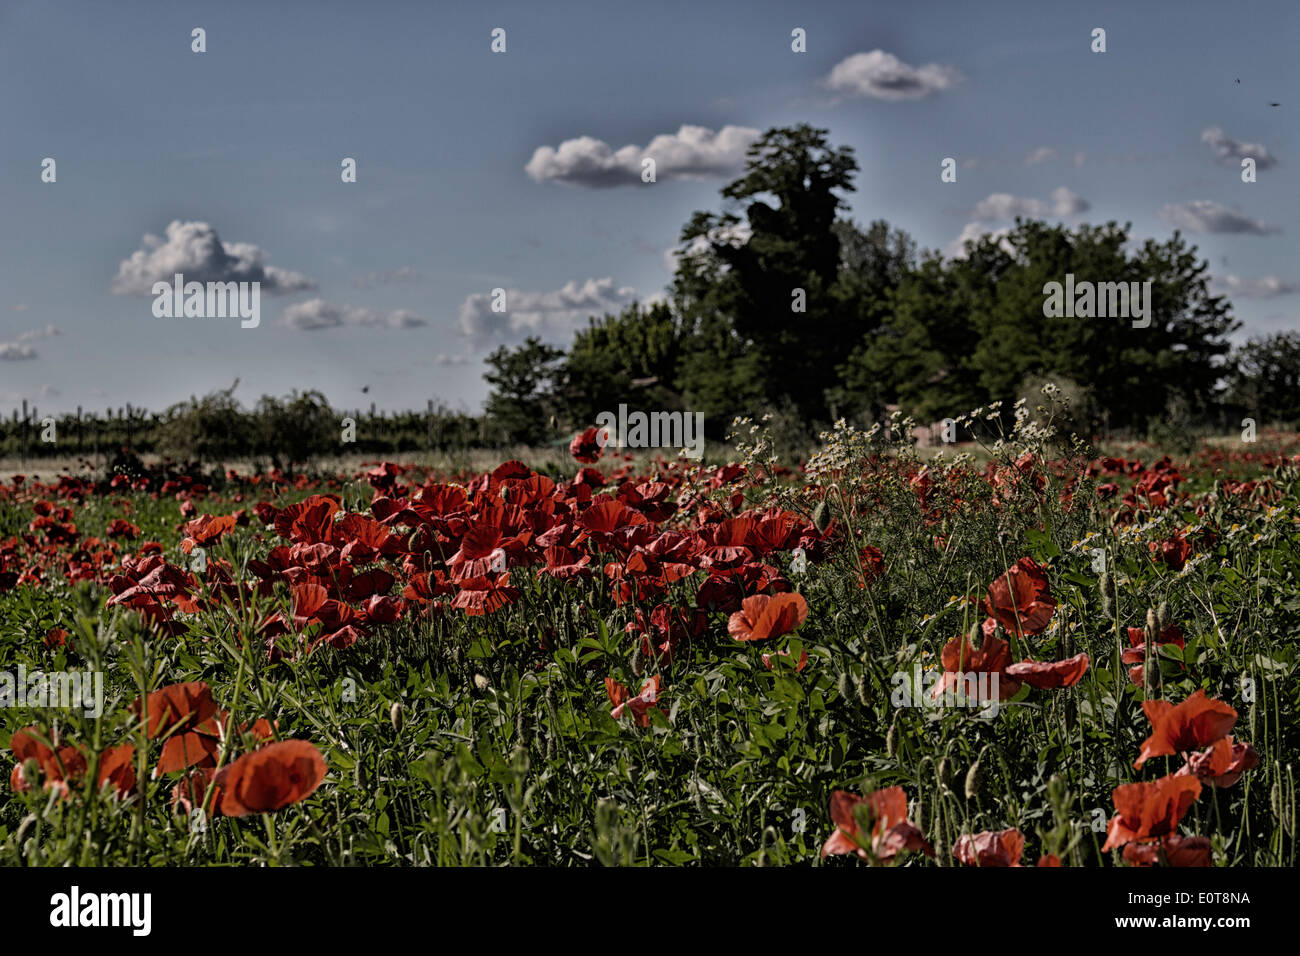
(1264, 287)
(1231, 151)
(1042, 154)
(549, 315)
(370, 280)
(1004, 206)
(316, 314)
(883, 76)
(196, 251)
(1204, 215)
(16, 352)
(693, 152)
(19, 351)
(972, 231)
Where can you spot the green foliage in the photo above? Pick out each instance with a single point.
(1265, 382)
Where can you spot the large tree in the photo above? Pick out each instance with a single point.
(972, 329)
(758, 289)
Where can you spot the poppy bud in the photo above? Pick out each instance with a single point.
(395, 716)
(1107, 602)
(1152, 626)
(864, 698)
(974, 777)
(976, 635)
(481, 682)
(1162, 617)
(822, 515)
(636, 660)
(24, 828)
(891, 739)
(842, 684)
(945, 772)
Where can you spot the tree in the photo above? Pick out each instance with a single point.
(524, 382)
(741, 283)
(297, 428)
(966, 331)
(1265, 380)
(213, 428)
(630, 358)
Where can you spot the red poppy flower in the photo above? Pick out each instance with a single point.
(206, 530)
(117, 767)
(1051, 859)
(1136, 653)
(1148, 811)
(484, 595)
(763, 616)
(639, 705)
(1020, 600)
(1043, 674)
(886, 814)
(271, 778)
(1178, 851)
(873, 565)
(587, 446)
(176, 708)
(803, 660)
(1173, 552)
(1195, 723)
(959, 658)
(1223, 764)
(990, 848)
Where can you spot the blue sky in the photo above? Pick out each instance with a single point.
(384, 282)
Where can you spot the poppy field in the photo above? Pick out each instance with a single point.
(1028, 653)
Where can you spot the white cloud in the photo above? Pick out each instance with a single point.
(693, 152)
(1204, 215)
(315, 314)
(1231, 152)
(1004, 206)
(14, 352)
(194, 250)
(974, 230)
(1264, 287)
(49, 391)
(443, 359)
(883, 76)
(549, 315)
(1042, 154)
(736, 235)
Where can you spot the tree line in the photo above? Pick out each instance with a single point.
(781, 304)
